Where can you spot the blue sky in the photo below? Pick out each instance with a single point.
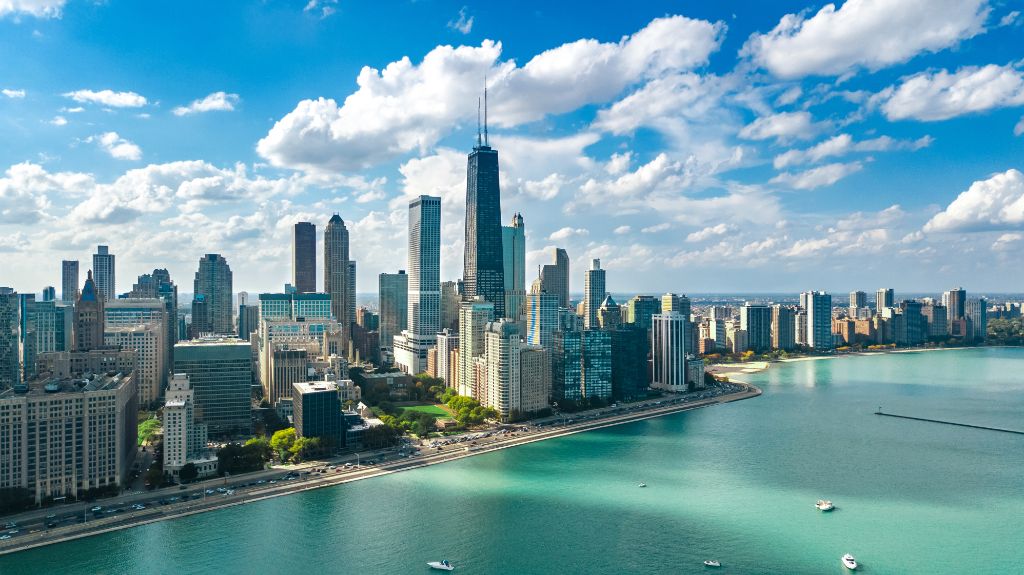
(693, 147)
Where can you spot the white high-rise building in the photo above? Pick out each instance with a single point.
(535, 378)
(668, 350)
(819, 319)
(513, 245)
(503, 346)
(473, 319)
(424, 298)
(148, 341)
(447, 342)
(541, 317)
(103, 271)
(184, 439)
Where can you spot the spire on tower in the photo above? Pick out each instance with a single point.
(485, 111)
(478, 140)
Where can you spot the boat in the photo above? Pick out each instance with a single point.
(849, 562)
(824, 505)
(712, 563)
(441, 565)
(642, 485)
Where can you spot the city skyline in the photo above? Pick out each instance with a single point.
(778, 164)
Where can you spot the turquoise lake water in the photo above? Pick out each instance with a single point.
(734, 482)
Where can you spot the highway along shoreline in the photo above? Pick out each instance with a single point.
(199, 499)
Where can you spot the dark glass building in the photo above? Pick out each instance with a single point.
(630, 377)
(317, 411)
(484, 267)
(304, 258)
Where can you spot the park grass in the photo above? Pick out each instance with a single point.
(430, 409)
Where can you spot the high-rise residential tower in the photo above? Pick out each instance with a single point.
(819, 320)
(884, 297)
(336, 270)
(756, 320)
(393, 291)
(955, 301)
(69, 281)
(424, 297)
(783, 327)
(103, 270)
(212, 286)
(593, 294)
(555, 277)
(858, 299)
(668, 351)
(483, 264)
(304, 257)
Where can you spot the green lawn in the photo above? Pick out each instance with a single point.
(429, 408)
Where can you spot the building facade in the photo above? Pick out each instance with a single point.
(69, 278)
(104, 272)
(220, 373)
(483, 263)
(213, 287)
(304, 257)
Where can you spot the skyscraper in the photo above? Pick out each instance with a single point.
(393, 291)
(49, 293)
(955, 301)
(424, 298)
(541, 318)
(593, 294)
(640, 309)
(451, 299)
(220, 372)
(89, 317)
(159, 285)
(69, 281)
(103, 269)
(502, 352)
(555, 277)
(858, 299)
(350, 296)
(976, 311)
(668, 349)
(884, 297)
(819, 320)
(783, 327)
(336, 271)
(483, 269)
(10, 339)
(304, 257)
(756, 320)
(212, 285)
(473, 319)
(513, 243)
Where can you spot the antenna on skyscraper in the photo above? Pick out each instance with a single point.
(485, 111)
(478, 141)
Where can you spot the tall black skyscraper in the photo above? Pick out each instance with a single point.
(304, 258)
(483, 271)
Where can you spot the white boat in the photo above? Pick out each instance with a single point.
(441, 565)
(824, 505)
(642, 485)
(849, 562)
(712, 563)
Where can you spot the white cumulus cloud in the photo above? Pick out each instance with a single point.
(931, 96)
(996, 203)
(567, 232)
(407, 107)
(13, 93)
(870, 34)
(217, 101)
(817, 177)
(709, 232)
(59, 121)
(783, 126)
(118, 147)
(37, 8)
(108, 98)
(844, 144)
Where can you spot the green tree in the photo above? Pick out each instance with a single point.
(188, 473)
(261, 446)
(282, 441)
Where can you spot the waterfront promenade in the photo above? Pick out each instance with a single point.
(266, 484)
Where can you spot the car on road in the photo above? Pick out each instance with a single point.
(95, 509)
(10, 525)
(4, 537)
(50, 524)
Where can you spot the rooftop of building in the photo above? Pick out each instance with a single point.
(47, 385)
(314, 386)
(212, 340)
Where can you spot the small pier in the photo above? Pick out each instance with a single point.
(879, 412)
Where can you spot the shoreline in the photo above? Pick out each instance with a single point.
(732, 370)
(155, 514)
